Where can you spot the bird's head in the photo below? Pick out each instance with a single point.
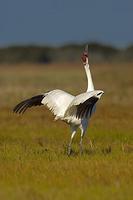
(84, 56)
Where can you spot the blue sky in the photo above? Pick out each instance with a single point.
(58, 22)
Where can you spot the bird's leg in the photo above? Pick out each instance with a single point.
(81, 146)
(70, 143)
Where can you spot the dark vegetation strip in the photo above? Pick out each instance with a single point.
(71, 53)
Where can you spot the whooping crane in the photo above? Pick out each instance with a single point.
(74, 110)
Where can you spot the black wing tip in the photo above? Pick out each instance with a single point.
(21, 107)
(85, 108)
(24, 105)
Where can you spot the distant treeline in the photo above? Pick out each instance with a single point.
(70, 53)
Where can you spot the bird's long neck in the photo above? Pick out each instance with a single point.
(89, 78)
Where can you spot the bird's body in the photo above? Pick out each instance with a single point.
(74, 110)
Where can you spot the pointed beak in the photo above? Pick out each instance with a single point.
(86, 49)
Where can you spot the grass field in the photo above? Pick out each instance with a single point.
(33, 160)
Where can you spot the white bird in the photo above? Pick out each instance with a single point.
(74, 110)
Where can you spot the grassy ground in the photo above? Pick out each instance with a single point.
(33, 160)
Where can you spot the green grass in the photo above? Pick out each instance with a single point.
(33, 160)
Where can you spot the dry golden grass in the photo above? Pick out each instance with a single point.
(33, 160)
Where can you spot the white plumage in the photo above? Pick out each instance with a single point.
(75, 110)
(57, 101)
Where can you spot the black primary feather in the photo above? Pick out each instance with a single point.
(33, 101)
(83, 109)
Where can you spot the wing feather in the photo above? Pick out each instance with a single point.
(84, 109)
(82, 105)
(57, 102)
(33, 101)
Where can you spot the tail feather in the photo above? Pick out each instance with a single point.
(34, 101)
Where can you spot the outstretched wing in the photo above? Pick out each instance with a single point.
(57, 102)
(82, 106)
